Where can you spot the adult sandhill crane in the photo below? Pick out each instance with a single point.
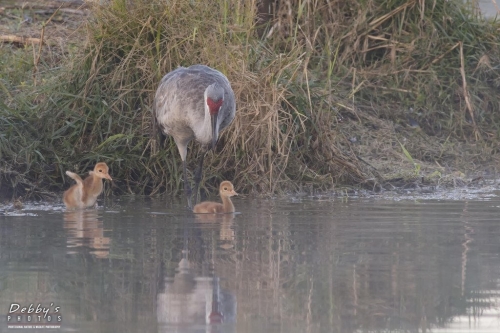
(196, 102)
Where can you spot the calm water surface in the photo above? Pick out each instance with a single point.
(295, 265)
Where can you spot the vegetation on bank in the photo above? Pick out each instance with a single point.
(328, 92)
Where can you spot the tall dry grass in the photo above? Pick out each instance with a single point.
(273, 143)
(437, 58)
(300, 75)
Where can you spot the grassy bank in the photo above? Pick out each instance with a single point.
(327, 93)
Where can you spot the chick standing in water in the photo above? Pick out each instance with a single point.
(226, 191)
(85, 192)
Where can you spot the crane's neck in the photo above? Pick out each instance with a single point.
(211, 121)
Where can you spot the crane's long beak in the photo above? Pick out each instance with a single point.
(215, 132)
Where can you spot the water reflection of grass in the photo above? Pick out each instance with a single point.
(403, 267)
(357, 271)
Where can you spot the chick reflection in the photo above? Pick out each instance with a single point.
(225, 221)
(195, 300)
(85, 230)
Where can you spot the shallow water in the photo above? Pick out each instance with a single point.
(489, 8)
(295, 265)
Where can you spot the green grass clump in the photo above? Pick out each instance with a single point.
(296, 72)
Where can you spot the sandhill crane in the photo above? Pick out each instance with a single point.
(196, 102)
(85, 192)
(226, 191)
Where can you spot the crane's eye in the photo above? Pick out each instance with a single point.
(225, 188)
(100, 170)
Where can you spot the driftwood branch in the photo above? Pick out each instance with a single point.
(45, 4)
(19, 39)
(62, 10)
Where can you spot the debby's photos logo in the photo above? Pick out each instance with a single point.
(34, 316)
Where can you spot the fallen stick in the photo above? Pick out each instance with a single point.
(62, 10)
(19, 39)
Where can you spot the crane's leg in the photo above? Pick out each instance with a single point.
(182, 146)
(197, 177)
(187, 188)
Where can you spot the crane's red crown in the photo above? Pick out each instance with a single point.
(214, 106)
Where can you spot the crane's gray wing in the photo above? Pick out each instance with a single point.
(228, 109)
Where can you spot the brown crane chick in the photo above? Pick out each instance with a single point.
(226, 191)
(85, 192)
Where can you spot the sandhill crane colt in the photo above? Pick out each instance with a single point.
(196, 102)
(226, 191)
(85, 192)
